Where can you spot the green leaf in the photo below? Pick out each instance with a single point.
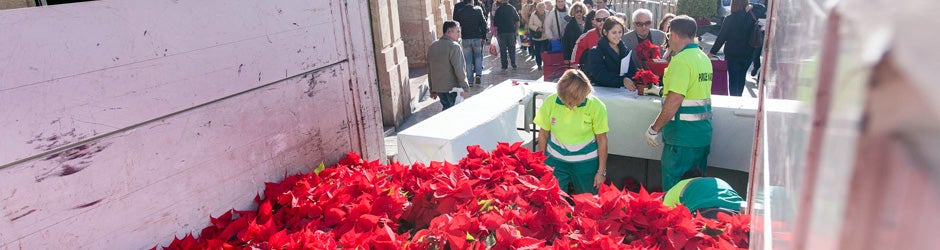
(470, 237)
(319, 169)
(485, 204)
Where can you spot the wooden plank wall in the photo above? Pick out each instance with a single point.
(126, 123)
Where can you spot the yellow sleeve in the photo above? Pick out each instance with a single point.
(677, 77)
(543, 116)
(600, 118)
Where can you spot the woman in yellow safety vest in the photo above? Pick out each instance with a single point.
(574, 133)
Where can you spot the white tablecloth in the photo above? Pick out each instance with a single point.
(483, 119)
(491, 117)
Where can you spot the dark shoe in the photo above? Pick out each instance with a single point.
(514, 66)
(476, 80)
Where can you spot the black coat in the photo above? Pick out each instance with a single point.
(458, 6)
(506, 18)
(735, 35)
(472, 22)
(572, 32)
(604, 64)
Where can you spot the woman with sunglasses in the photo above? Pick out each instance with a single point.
(574, 29)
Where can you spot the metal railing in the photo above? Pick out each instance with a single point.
(659, 8)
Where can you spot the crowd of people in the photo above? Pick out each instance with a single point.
(595, 41)
(574, 29)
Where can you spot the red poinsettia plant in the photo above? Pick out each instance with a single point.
(646, 51)
(505, 199)
(646, 77)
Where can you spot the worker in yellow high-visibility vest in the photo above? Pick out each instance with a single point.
(573, 134)
(685, 123)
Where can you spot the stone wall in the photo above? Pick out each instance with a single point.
(418, 30)
(14, 4)
(391, 62)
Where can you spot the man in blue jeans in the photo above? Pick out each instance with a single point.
(474, 26)
(506, 20)
(446, 66)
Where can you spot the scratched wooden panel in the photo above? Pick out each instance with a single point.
(365, 95)
(86, 69)
(164, 178)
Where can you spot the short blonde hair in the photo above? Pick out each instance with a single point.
(539, 6)
(584, 9)
(574, 87)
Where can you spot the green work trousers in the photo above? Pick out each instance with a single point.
(580, 174)
(677, 160)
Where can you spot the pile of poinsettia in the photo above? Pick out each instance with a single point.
(507, 199)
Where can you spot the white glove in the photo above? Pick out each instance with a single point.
(653, 138)
(654, 90)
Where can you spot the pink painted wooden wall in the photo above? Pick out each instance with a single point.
(126, 123)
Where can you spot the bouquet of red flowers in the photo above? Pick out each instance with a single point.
(646, 51)
(645, 78)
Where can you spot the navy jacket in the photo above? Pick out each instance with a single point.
(735, 34)
(604, 64)
(472, 22)
(505, 19)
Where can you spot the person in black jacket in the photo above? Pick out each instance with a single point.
(604, 59)
(574, 29)
(736, 32)
(473, 37)
(458, 6)
(506, 20)
(759, 10)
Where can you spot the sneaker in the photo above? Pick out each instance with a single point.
(514, 66)
(476, 80)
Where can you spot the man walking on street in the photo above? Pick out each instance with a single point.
(446, 67)
(506, 20)
(473, 29)
(685, 122)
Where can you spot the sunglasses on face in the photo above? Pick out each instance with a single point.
(600, 19)
(647, 23)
